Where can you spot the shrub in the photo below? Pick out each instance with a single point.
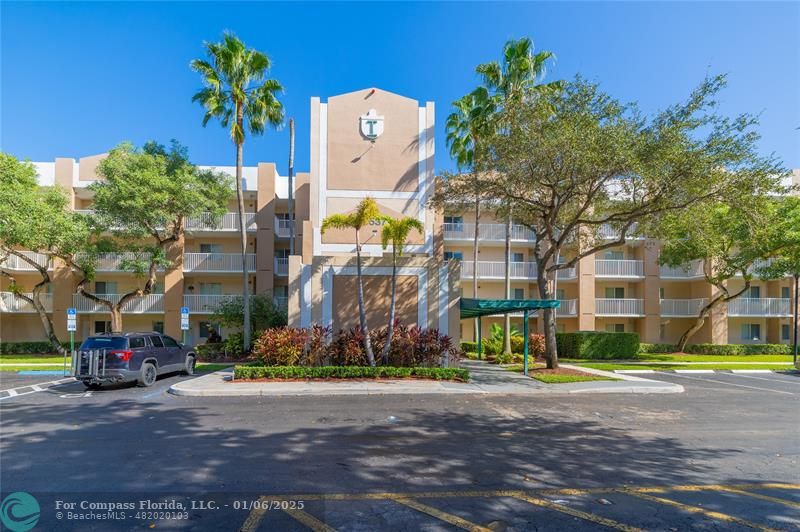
(651, 349)
(29, 348)
(518, 344)
(504, 358)
(347, 348)
(536, 345)
(280, 346)
(739, 349)
(469, 347)
(597, 345)
(348, 372)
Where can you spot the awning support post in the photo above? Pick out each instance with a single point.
(525, 342)
(480, 342)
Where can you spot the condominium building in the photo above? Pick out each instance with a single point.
(373, 143)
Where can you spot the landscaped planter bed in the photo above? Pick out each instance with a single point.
(295, 373)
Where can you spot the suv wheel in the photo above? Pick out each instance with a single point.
(148, 375)
(190, 363)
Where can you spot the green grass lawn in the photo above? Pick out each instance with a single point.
(694, 358)
(666, 366)
(27, 359)
(550, 378)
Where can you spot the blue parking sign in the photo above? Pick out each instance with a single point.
(184, 310)
(71, 311)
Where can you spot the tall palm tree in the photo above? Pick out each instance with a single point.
(395, 232)
(366, 212)
(239, 94)
(518, 78)
(466, 126)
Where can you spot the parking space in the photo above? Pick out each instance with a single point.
(765, 506)
(785, 384)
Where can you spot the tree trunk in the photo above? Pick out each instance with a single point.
(507, 320)
(47, 323)
(243, 236)
(548, 315)
(291, 187)
(116, 318)
(362, 315)
(705, 312)
(388, 345)
(475, 261)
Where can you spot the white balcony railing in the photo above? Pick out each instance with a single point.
(567, 273)
(619, 307)
(678, 308)
(13, 262)
(608, 233)
(764, 307)
(692, 270)
(281, 266)
(228, 222)
(497, 270)
(619, 268)
(112, 262)
(217, 262)
(149, 304)
(283, 227)
(493, 232)
(569, 307)
(205, 304)
(11, 302)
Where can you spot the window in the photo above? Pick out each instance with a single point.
(210, 248)
(785, 336)
(753, 292)
(614, 255)
(518, 257)
(101, 327)
(156, 341)
(136, 342)
(114, 342)
(206, 327)
(158, 326)
(661, 293)
(453, 255)
(105, 287)
(211, 289)
(785, 292)
(282, 253)
(158, 287)
(615, 327)
(519, 293)
(455, 220)
(560, 294)
(169, 342)
(751, 331)
(282, 216)
(615, 292)
(281, 291)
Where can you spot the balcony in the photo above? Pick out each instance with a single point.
(619, 269)
(682, 308)
(769, 307)
(281, 266)
(619, 307)
(606, 232)
(13, 262)
(569, 307)
(497, 270)
(283, 227)
(228, 222)
(217, 262)
(11, 302)
(205, 304)
(112, 262)
(149, 304)
(692, 270)
(487, 232)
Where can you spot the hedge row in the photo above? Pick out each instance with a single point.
(597, 345)
(739, 349)
(348, 372)
(28, 348)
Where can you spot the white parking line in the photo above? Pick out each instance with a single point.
(39, 387)
(734, 384)
(763, 378)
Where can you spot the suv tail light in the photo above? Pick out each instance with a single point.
(122, 355)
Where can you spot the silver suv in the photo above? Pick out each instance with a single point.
(127, 357)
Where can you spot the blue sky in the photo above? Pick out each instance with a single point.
(77, 78)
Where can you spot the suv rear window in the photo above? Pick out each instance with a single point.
(136, 341)
(101, 342)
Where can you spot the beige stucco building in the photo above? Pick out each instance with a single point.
(372, 143)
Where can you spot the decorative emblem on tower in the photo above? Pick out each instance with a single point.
(371, 125)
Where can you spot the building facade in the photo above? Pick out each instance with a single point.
(373, 143)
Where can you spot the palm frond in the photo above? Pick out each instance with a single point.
(337, 221)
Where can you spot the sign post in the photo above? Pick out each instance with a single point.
(72, 326)
(184, 322)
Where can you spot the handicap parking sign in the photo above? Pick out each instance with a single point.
(72, 311)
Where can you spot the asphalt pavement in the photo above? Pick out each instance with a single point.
(723, 455)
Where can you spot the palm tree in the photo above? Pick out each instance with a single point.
(396, 232)
(466, 126)
(366, 212)
(237, 90)
(515, 80)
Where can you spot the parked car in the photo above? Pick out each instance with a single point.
(127, 357)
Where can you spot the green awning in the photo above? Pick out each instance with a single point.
(475, 308)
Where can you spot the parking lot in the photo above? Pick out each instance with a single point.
(721, 456)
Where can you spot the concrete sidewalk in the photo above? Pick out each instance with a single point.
(485, 379)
